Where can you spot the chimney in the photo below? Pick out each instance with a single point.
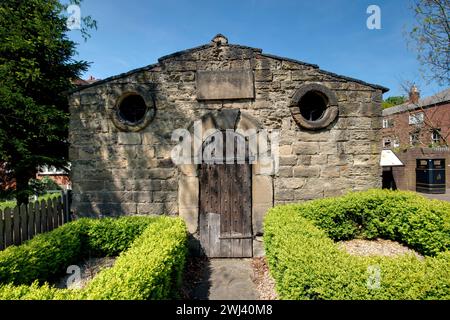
(414, 95)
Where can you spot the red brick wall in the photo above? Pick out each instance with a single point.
(436, 116)
(62, 180)
(6, 181)
(405, 177)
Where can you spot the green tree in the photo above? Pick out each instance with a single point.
(393, 101)
(36, 69)
(431, 38)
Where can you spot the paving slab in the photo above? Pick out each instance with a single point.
(442, 196)
(227, 279)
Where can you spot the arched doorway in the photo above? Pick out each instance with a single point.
(225, 202)
(189, 185)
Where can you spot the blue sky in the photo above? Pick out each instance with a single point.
(330, 33)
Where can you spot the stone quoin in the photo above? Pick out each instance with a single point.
(121, 140)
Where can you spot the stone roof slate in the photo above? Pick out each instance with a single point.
(207, 46)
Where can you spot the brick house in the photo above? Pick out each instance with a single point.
(323, 139)
(418, 122)
(417, 129)
(60, 177)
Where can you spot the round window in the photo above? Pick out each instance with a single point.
(314, 106)
(132, 109)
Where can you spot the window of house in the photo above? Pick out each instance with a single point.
(396, 143)
(50, 170)
(414, 139)
(388, 123)
(133, 109)
(416, 118)
(313, 105)
(387, 143)
(436, 136)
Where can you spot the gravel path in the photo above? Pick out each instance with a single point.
(377, 247)
(265, 285)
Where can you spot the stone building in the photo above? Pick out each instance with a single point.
(121, 131)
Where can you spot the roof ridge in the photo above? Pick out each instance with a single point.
(315, 66)
(212, 44)
(118, 76)
(438, 98)
(205, 46)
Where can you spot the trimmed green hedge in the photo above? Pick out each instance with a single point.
(44, 256)
(307, 264)
(109, 237)
(403, 216)
(149, 267)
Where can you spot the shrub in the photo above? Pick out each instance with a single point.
(150, 269)
(307, 264)
(44, 256)
(6, 195)
(12, 203)
(35, 292)
(42, 186)
(8, 204)
(422, 224)
(109, 237)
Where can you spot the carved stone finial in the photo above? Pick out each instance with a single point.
(219, 40)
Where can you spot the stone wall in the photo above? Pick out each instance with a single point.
(116, 172)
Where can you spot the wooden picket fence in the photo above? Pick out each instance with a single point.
(24, 222)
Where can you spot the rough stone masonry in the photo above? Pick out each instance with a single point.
(121, 167)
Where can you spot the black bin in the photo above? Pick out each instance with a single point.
(430, 175)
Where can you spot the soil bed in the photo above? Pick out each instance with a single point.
(265, 285)
(377, 247)
(89, 268)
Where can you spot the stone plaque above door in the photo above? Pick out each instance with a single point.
(225, 85)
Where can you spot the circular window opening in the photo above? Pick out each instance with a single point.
(313, 105)
(132, 109)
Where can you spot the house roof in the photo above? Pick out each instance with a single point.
(440, 97)
(212, 44)
(81, 82)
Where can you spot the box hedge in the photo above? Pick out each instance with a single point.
(306, 263)
(152, 256)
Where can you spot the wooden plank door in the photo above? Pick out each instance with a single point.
(225, 210)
